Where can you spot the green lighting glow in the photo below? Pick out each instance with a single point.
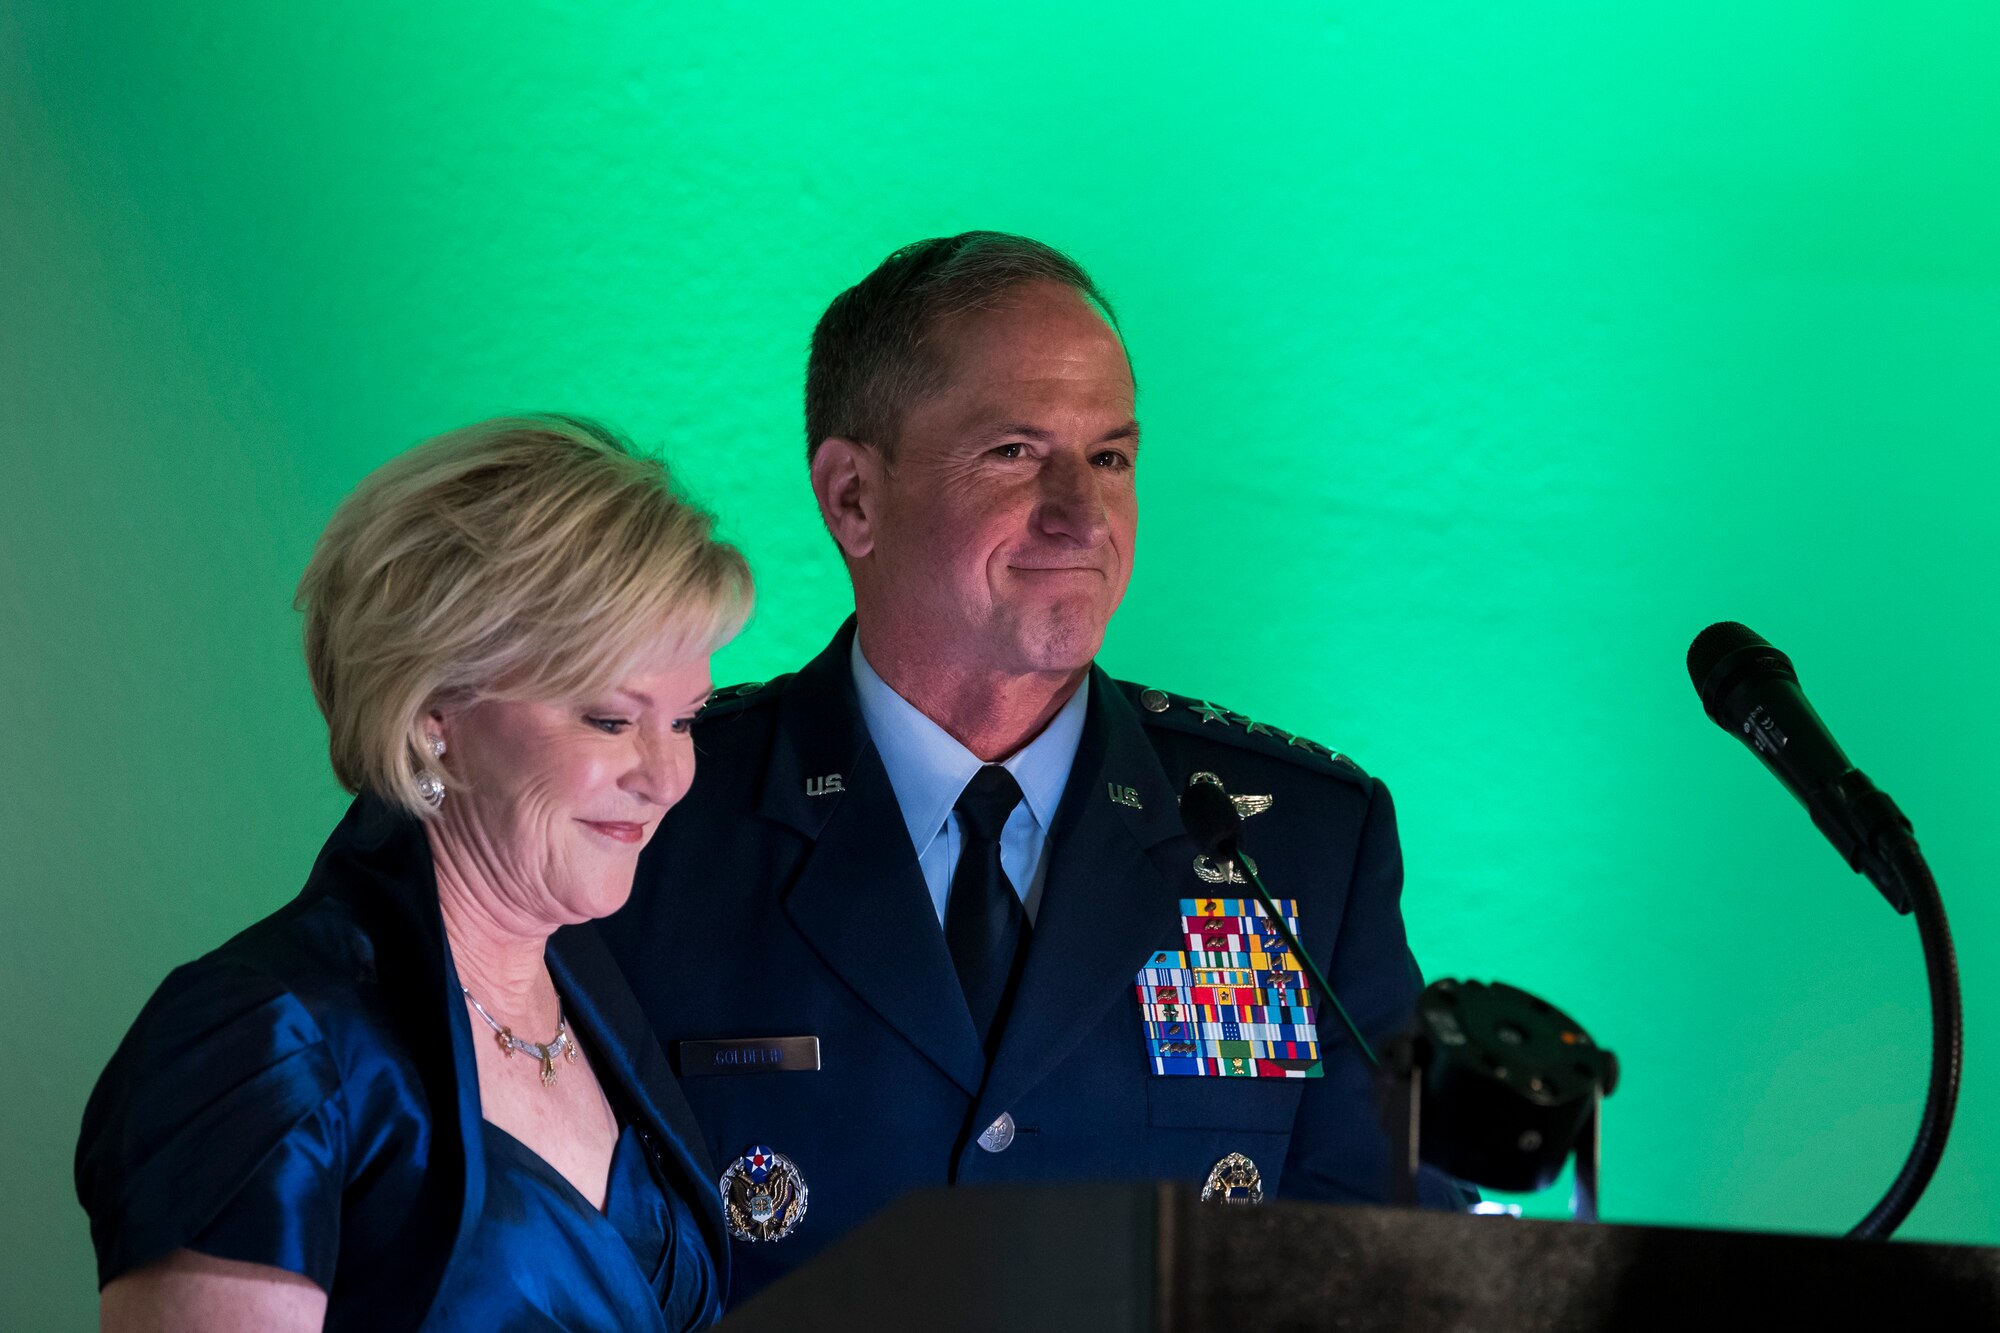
(1487, 354)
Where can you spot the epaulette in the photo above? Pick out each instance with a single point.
(1199, 717)
(735, 698)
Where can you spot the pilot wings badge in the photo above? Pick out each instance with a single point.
(763, 1195)
(1205, 868)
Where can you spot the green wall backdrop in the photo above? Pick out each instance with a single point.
(1487, 353)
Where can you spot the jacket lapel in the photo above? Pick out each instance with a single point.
(379, 862)
(859, 899)
(595, 993)
(1109, 901)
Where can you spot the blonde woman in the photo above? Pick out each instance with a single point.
(420, 1095)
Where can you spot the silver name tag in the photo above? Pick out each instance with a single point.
(750, 1055)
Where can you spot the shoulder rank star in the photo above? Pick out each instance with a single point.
(763, 1195)
(1208, 712)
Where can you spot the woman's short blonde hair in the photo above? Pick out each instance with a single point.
(520, 558)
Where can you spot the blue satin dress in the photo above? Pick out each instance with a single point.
(547, 1259)
(306, 1097)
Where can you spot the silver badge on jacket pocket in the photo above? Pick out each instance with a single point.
(763, 1195)
(1234, 1179)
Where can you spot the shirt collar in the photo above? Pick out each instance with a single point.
(928, 768)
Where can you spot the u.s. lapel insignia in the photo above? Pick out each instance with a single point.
(1126, 796)
(1234, 1179)
(763, 1195)
(829, 785)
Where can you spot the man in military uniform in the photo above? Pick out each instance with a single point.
(929, 913)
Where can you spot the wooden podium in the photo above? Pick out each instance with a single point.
(1139, 1257)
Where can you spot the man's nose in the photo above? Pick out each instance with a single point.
(1071, 504)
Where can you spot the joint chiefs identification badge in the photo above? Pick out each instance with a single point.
(763, 1195)
(1234, 1180)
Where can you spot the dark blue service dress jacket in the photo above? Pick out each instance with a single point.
(306, 1097)
(782, 898)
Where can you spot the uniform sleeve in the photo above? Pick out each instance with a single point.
(217, 1127)
(1340, 1150)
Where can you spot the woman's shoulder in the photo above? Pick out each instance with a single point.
(271, 1060)
(279, 1017)
(360, 950)
(223, 1066)
(320, 947)
(309, 966)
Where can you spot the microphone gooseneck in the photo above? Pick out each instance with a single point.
(1752, 691)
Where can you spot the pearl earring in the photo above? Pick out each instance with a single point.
(429, 785)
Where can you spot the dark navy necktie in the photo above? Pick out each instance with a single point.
(984, 926)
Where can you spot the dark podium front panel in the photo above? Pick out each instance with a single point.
(1151, 1257)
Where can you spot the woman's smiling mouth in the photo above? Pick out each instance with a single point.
(617, 830)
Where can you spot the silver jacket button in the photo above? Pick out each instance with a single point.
(998, 1134)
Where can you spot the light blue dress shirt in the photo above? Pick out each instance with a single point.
(928, 769)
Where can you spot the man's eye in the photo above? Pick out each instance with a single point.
(610, 726)
(1111, 458)
(1010, 450)
(681, 726)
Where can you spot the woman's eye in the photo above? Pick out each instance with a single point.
(610, 726)
(683, 725)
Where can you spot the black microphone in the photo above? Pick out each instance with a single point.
(1752, 692)
(1211, 819)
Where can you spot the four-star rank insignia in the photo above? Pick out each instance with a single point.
(1210, 713)
(763, 1195)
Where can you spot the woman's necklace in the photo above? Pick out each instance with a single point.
(561, 1045)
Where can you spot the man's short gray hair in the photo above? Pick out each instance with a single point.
(875, 351)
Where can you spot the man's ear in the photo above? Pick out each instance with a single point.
(846, 480)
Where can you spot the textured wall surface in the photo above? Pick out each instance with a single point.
(1486, 354)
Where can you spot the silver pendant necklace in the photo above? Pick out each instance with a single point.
(561, 1046)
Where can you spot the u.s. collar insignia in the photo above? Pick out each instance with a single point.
(1234, 1180)
(763, 1195)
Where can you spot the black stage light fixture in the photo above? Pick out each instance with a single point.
(1496, 1087)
